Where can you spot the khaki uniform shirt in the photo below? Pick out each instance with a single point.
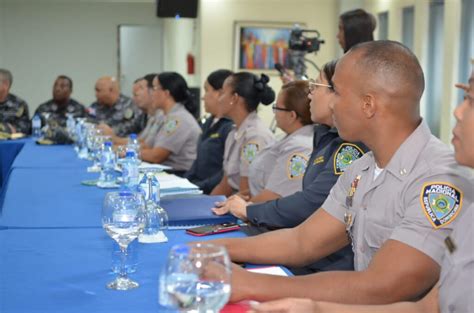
(179, 134)
(280, 167)
(414, 200)
(124, 116)
(242, 146)
(14, 111)
(153, 125)
(456, 288)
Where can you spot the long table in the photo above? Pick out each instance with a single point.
(54, 255)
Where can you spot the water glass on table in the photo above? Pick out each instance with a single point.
(123, 218)
(196, 278)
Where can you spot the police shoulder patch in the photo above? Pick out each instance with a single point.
(128, 114)
(296, 166)
(249, 151)
(441, 202)
(345, 155)
(20, 111)
(171, 126)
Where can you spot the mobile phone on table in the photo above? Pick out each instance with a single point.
(213, 229)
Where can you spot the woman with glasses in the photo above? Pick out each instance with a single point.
(278, 170)
(240, 96)
(206, 171)
(330, 157)
(176, 140)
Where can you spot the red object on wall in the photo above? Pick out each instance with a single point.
(190, 61)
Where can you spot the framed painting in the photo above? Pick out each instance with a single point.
(258, 46)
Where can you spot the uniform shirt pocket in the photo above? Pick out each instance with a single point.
(376, 235)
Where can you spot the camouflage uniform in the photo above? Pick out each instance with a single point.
(14, 111)
(124, 116)
(58, 113)
(56, 121)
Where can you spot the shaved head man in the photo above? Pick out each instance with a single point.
(114, 109)
(394, 205)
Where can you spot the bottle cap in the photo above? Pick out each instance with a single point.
(108, 144)
(130, 153)
(133, 136)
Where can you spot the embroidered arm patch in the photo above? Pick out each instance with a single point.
(345, 155)
(296, 166)
(441, 203)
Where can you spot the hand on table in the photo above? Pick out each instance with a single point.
(234, 205)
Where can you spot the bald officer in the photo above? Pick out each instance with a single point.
(115, 109)
(456, 286)
(396, 204)
(14, 116)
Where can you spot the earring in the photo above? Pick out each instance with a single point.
(231, 103)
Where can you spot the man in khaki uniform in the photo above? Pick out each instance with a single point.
(397, 203)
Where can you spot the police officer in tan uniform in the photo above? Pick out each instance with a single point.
(278, 169)
(396, 204)
(456, 285)
(114, 109)
(242, 92)
(14, 116)
(176, 140)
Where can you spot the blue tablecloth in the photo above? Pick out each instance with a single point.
(66, 270)
(44, 156)
(8, 151)
(45, 197)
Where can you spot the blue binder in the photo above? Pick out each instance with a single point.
(194, 211)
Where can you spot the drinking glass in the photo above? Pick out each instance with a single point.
(197, 277)
(123, 218)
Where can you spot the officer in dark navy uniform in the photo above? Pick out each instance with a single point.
(330, 157)
(14, 116)
(116, 110)
(206, 171)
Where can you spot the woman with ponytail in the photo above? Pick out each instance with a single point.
(241, 94)
(175, 143)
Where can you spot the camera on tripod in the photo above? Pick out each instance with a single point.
(299, 42)
(299, 45)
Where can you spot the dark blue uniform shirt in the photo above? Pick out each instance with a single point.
(330, 156)
(206, 171)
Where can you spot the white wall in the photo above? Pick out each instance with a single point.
(45, 38)
(217, 29)
(2, 28)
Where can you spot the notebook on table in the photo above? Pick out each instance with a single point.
(194, 211)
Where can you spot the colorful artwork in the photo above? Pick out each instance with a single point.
(260, 47)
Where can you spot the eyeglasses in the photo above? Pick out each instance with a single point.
(275, 108)
(313, 84)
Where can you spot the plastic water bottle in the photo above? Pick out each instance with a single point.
(130, 175)
(70, 125)
(134, 145)
(36, 125)
(107, 164)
